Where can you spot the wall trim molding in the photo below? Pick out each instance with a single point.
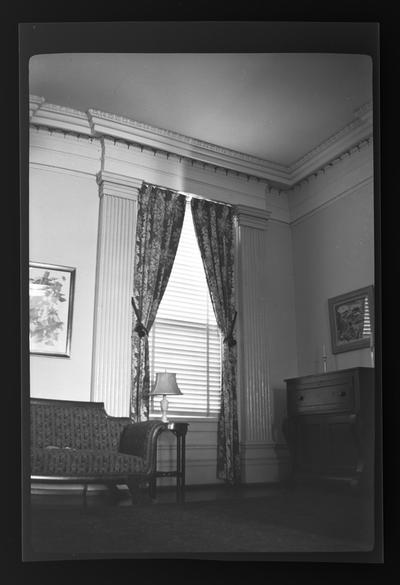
(332, 200)
(99, 124)
(60, 170)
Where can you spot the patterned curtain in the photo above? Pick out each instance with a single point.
(214, 228)
(159, 224)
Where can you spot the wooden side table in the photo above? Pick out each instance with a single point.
(179, 429)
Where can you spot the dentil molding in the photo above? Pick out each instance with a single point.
(283, 177)
(104, 124)
(344, 141)
(54, 116)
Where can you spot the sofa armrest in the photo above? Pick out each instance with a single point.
(140, 439)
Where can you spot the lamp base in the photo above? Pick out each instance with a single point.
(164, 409)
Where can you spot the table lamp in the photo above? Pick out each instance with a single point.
(165, 384)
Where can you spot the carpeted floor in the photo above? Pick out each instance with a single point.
(290, 521)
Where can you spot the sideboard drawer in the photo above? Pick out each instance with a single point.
(339, 397)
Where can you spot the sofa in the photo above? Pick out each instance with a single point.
(78, 442)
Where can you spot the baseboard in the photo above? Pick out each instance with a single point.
(264, 462)
(96, 490)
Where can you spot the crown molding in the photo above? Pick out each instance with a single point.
(35, 102)
(121, 128)
(99, 124)
(359, 130)
(54, 116)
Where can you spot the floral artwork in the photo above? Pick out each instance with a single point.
(351, 320)
(50, 309)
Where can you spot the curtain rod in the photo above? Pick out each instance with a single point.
(187, 195)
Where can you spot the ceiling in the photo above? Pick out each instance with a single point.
(277, 106)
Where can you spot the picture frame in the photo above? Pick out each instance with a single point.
(51, 299)
(351, 317)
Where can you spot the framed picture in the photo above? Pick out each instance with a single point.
(351, 320)
(51, 297)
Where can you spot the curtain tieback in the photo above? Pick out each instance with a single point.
(140, 329)
(229, 339)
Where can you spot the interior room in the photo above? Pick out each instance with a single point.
(259, 358)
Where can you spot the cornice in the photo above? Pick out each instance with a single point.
(54, 116)
(368, 141)
(99, 124)
(34, 103)
(251, 217)
(344, 140)
(118, 127)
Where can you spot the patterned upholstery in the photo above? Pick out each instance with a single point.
(73, 439)
(83, 462)
(77, 427)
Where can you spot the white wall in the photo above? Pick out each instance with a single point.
(333, 253)
(63, 218)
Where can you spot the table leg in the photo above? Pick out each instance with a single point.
(182, 483)
(153, 480)
(178, 467)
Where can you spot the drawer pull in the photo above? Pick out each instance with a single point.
(342, 393)
(301, 397)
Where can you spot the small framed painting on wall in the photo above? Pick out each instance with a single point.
(51, 297)
(351, 320)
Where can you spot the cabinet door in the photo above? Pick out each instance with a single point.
(342, 453)
(310, 445)
(326, 445)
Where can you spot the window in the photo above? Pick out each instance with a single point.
(185, 337)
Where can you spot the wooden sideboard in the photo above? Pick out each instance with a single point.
(330, 425)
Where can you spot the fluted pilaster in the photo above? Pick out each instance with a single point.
(255, 410)
(114, 284)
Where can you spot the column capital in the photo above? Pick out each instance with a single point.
(118, 185)
(252, 217)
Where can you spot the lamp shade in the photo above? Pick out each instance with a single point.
(166, 384)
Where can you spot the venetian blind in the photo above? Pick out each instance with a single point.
(185, 338)
(367, 319)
